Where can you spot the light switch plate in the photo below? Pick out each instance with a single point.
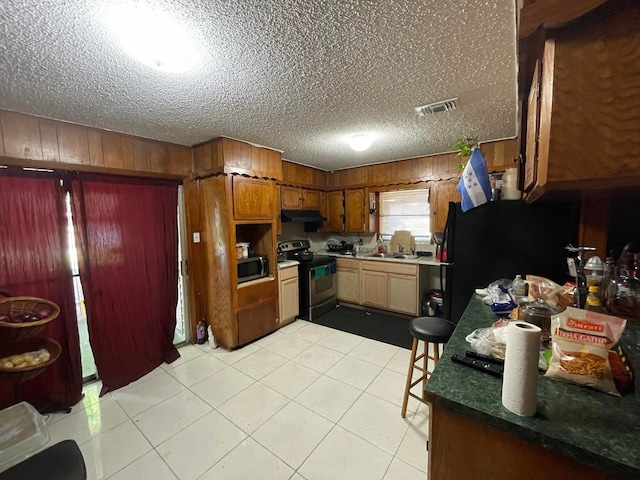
(196, 237)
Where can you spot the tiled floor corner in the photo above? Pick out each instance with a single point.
(304, 403)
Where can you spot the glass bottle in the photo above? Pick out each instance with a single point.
(519, 287)
(593, 303)
(608, 275)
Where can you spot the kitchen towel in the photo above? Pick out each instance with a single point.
(320, 271)
(331, 267)
(520, 379)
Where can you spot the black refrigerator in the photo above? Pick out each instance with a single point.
(501, 239)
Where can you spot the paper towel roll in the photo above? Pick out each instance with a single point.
(520, 379)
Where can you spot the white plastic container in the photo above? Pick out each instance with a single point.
(23, 433)
(510, 184)
(242, 250)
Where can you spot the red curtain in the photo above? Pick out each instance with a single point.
(33, 247)
(128, 254)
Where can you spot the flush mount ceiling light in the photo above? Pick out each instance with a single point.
(152, 37)
(360, 141)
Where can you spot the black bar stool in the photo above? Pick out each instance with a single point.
(62, 461)
(431, 330)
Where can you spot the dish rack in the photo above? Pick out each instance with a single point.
(335, 246)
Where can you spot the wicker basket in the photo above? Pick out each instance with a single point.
(24, 346)
(21, 305)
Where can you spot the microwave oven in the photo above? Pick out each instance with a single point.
(252, 268)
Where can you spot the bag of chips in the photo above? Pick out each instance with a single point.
(581, 341)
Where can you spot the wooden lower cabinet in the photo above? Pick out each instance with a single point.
(289, 294)
(403, 293)
(348, 275)
(256, 320)
(375, 289)
(390, 286)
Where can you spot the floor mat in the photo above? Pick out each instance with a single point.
(373, 325)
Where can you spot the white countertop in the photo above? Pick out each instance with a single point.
(430, 261)
(288, 263)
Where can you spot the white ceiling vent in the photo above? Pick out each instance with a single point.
(443, 106)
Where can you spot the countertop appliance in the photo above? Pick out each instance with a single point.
(502, 239)
(252, 268)
(317, 280)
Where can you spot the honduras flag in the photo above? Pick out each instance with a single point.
(474, 185)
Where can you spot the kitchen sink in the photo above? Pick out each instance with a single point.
(394, 255)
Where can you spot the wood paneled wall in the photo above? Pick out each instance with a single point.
(498, 155)
(226, 155)
(39, 142)
(302, 176)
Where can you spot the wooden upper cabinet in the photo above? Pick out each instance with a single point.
(335, 212)
(533, 126)
(294, 198)
(252, 198)
(354, 207)
(291, 198)
(439, 197)
(311, 199)
(499, 154)
(589, 110)
(536, 13)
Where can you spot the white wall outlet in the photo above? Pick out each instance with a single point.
(196, 237)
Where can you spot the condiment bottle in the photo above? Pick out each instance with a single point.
(593, 303)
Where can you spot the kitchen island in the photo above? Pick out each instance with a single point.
(576, 433)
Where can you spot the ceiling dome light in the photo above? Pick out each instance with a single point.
(152, 37)
(360, 141)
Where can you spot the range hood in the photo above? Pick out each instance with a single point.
(301, 216)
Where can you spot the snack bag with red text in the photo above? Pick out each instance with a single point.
(580, 348)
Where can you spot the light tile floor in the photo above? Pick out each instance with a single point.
(304, 403)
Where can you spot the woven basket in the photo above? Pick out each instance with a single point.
(24, 346)
(21, 305)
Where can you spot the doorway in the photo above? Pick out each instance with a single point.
(89, 370)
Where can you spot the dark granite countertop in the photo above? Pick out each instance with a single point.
(595, 428)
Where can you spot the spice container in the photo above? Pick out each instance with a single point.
(539, 313)
(242, 250)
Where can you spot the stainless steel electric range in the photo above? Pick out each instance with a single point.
(317, 280)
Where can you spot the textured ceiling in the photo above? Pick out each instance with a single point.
(295, 75)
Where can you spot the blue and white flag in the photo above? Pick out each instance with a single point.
(474, 185)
